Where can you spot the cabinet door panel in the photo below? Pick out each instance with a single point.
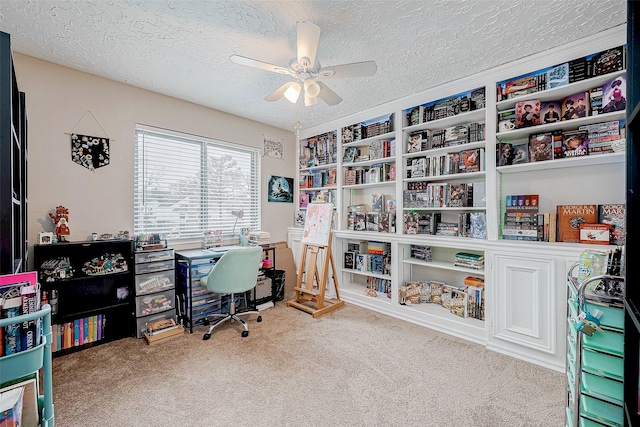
(525, 306)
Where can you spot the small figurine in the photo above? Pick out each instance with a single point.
(61, 220)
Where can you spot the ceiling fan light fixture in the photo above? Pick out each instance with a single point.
(309, 101)
(311, 88)
(292, 93)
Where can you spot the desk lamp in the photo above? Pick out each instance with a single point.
(238, 214)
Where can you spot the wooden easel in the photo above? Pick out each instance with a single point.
(306, 295)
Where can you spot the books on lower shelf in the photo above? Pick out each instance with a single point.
(78, 332)
(461, 300)
(21, 396)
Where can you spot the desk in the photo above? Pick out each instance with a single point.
(195, 302)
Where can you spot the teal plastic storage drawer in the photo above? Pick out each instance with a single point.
(606, 341)
(612, 317)
(603, 388)
(602, 364)
(602, 411)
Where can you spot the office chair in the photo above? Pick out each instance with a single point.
(235, 272)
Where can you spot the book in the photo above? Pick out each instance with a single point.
(550, 112)
(527, 113)
(30, 411)
(557, 76)
(569, 219)
(377, 202)
(478, 229)
(599, 234)
(350, 154)
(520, 153)
(576, 106)
(614, 95)
(540, 147)
(614, 215)
(11, 407)
(575, 143)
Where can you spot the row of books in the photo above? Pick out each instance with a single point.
(379, 285)
(368, 129)
(379, 172)
(19, 294)
(446, 164)
(317, 179)
(420, 252)
(371, 263)
(423, 194)
(462, 300)
(381, 222)
(599, 138)
(470, 224)
(377, 149)
(78, 332)
(599, 224)
(607, 98)
(318, 150)
(586, 67)
(429, 139)
(447, 107)
(307, 197)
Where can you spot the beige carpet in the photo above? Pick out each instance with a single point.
(352, 367)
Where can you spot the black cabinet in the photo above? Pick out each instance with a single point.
(90, 288)
(13, 166)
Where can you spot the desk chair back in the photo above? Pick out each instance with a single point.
(235, 272)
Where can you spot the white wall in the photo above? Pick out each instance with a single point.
(102, 201)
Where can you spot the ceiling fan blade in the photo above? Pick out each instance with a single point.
(259, 64)
(328, 96)
(278, 93)
(356, 69)
(308, 39)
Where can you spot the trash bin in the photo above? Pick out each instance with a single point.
(277, 283)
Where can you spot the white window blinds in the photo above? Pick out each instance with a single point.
(185, 185)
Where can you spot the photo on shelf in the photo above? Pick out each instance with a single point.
(540, 147)
(520, 153)
(527, 113)
(576, 106)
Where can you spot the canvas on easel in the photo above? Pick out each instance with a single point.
(316, 241)
(317, 225)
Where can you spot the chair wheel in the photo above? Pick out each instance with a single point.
(259, 319)
(206, 336)
(205, 322)
(245, 334)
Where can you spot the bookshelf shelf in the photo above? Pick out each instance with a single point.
(366, 274)
(443, 265)
(452, 176)
(523, 133)
(452, 209)
(445, 150)
(584, 161)
(319, 167)
(468, 117)
(367, 141)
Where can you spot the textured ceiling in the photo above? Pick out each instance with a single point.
(182, 48)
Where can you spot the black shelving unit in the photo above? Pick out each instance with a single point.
(13, 166)
(76, 294)
(632, 273)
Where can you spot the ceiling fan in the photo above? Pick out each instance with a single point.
(306, 70)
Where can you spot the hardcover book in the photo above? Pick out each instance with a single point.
(575, 143)
(576, 106)
(569, 218)
(598, 234)
(540, 147)
(520, 153)
(614, 95)
(557, 76)
(614, 215)
(528, 113)
(504, 154)
(550, 112)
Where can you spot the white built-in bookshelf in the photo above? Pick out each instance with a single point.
(524, 310)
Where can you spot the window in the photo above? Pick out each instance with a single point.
(185, 185)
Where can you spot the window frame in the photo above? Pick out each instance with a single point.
(252, 215)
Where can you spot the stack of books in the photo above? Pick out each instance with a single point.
(469, 260)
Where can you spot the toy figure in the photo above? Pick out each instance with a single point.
(61, 220)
